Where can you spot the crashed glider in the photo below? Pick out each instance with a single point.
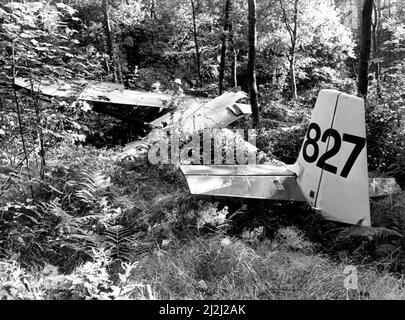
(193, 117)
(330, 173)
(94, 92)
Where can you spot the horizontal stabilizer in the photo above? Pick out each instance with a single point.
(259, 182)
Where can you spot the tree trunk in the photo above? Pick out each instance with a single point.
(197, 48)
(375, 26)
(293, 80)
(20, 123)
(40, 134)
(109, 37)
(293, 47)
(252, 63)
(365, 47)
(234, 57)
(224, 37)
(292, 31)
(152, 10)
(153, 18)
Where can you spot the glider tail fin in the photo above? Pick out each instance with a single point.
(332, 165)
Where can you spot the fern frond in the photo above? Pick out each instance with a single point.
(367, 234)
(65, 220)
(86, 241)
(123, 244)
(116, 240)
(91, 185)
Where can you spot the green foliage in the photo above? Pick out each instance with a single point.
(42, 42)
(386, 124)
(292, 239)
(352, 236)
(282, 145)
(79, 205)
(388, 212)
(323, 43)
(385, 113)
(89, 281)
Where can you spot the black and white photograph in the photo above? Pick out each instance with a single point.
(223, 152)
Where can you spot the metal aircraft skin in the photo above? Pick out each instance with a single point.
(192, 117)
(330, 173)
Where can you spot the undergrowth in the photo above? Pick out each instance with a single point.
(102, 228)
(209, 267)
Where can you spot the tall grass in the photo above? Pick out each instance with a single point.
(389, 212)
(220, 267)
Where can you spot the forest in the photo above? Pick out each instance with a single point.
(79, 220)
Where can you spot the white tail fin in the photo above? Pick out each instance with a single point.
(332, 164)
